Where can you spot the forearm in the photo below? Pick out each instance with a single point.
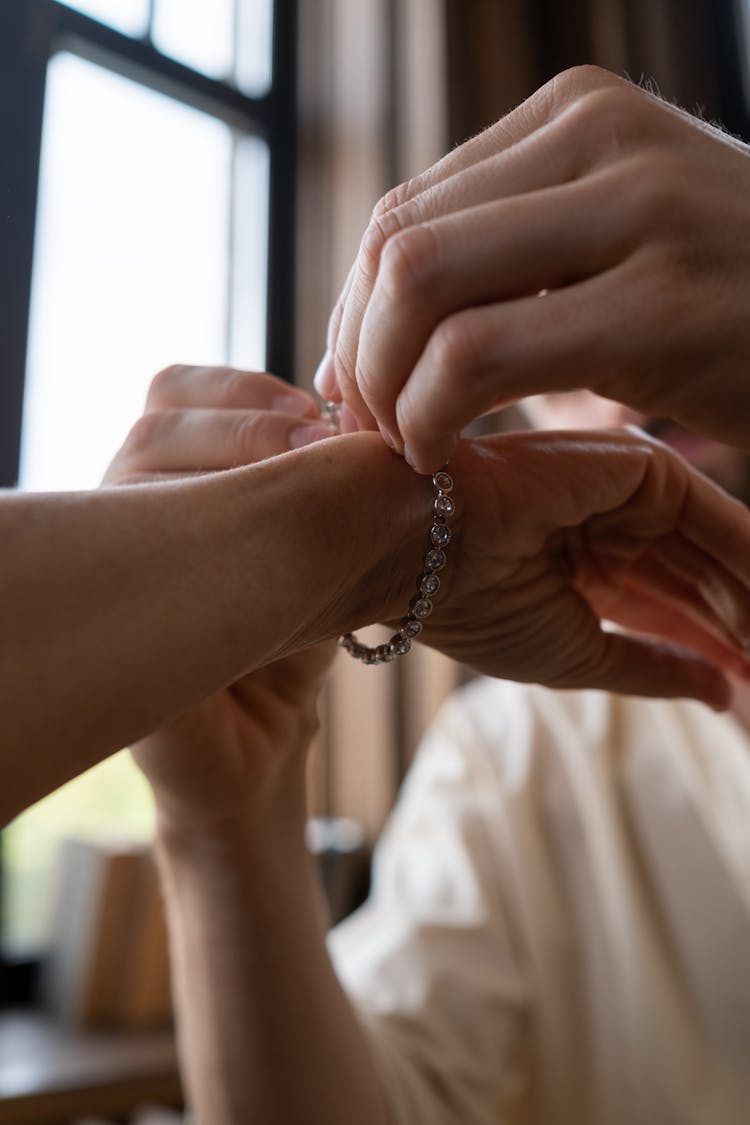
(123, 607)
(265, 1030)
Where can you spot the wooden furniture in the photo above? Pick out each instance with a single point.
(50, 1074)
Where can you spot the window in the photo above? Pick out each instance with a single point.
(148, 185)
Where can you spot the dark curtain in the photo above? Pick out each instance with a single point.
(500, 51)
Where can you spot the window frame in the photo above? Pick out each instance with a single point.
(31, 33)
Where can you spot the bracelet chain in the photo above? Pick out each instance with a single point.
(428, 583)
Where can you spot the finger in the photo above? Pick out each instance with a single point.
(641, 613)
(334, 321)
(226, 388)
(325, 380)
(708, 523)
(434, 269)
(578, 121)
(681, 566)
(628, 665)
(179, 441)
(543, 161)
(673, 569)
(593, 657)
(483, 358)
(653, 598)
(544, 106)
(718, 524)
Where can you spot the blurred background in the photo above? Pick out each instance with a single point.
(187, 181)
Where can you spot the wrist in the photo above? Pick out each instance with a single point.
(267, 832)
(358, 519)
(382, 513)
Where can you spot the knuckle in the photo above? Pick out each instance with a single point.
(232, 385)
(247, 438)
(164, 382)
(146, 434)
(657, 191)
(409, 261)
(610, 118)
(575, 82)
(393, 199)
(588, 76)
(380, 230)
(455, 346)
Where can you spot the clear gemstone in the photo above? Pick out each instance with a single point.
(444, 506)
(440, 535)
(384, 654)
(411, 627)
(370, 656)
(443, 481)
(422, 608)
(400, 644)
(435, 559)
(429, 585)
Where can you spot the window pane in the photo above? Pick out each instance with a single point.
(130, 16)
(254, 42)
(131, 266)
(247, 344)
(197, 33)
(112, 801)
(133, 270)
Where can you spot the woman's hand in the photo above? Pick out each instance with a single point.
(555, 533)
(211, 764)
(560, 532)
(628, 214)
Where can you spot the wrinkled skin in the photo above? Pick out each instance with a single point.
(554, 531)
(629, 214)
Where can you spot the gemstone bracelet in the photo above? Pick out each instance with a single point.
(428, 583)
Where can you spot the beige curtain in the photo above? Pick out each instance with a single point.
(499, 51)
(386, 86)
(372, 98)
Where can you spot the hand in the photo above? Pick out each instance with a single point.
(559, 532)
(209, 765)
(630, 215)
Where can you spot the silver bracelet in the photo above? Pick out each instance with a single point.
(428, 583)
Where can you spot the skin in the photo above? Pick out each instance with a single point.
(727, 466)
(129, 605)
(628, 214)
(229, 775)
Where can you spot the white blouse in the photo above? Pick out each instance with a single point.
(559, 928)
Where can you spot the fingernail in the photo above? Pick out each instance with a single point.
(409, 458)
(324, 379)
(307, 435)
(298, 405)
(432, 461)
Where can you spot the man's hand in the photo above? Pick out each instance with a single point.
(210, 764)
(630, 216)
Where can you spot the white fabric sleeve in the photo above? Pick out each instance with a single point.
(433, 961)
